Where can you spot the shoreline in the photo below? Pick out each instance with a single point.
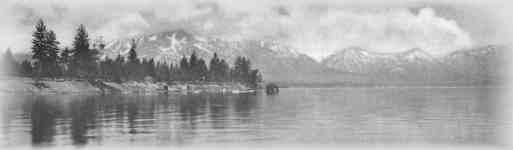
(60, 86)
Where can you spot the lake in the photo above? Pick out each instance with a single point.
(338, 116)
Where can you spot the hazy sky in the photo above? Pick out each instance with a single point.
(314, 27)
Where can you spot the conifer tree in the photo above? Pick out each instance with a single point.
(224, 71)
(193, 67)
(9, 63)
(39, 48)
(254, 78)
(52, 54)
(151, 68)
(26, 69)
(201, 70)
(214, 72)
(84, 58)
(132, 54)
(133, 68)
(65, 62)
(118, 71)
(184, 69)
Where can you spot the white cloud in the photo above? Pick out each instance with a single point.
(389, 31)
(315, 28)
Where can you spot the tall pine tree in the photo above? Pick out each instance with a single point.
(84, 58)
(52, 54)
(193, 67)
(65, 59)
(39, 48)
(213, 73)
(201, 70)
(184, 73)
(133, 68)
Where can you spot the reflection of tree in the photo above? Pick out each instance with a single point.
(132, 111)
(82, 115)
(218, 106)
(190, 107)
(137, 113)
(244, 103)
(43, 116)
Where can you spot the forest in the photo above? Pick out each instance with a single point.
(50, 61)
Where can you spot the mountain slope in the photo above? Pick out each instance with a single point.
(277, 62)
(470, 65)
(489, 62)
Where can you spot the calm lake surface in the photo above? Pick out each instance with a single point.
(294, 116)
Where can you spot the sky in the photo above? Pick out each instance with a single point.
(317, 28)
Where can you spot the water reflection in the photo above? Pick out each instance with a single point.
(43, 116)
(295, 116)
(83, 116)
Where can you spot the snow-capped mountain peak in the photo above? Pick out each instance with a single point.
(274, 59)
(416, 55)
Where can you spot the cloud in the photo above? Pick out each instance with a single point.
(387, 31)
(314, 28)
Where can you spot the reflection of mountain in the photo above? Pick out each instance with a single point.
(277, 62)
(474, 65)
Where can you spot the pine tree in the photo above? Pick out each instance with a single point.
(52, 54)
(133, 63)
(242, 70)
(65, 62)
(162, 72)
(9, 63)
(132, 54)
(214, 72)
(238, 71)
(201, 70)
(39, 47)
(118, 72)
(193, 67)
(184, 70)
(106, 69)
(26, 69)
(173, 72)
(84, 58)
(224, 71)
(254, 78)
(151, 68)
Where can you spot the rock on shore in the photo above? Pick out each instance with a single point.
(28, 85)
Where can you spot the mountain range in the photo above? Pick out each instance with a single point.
(275, 61)
(279, 63)
(481, 64)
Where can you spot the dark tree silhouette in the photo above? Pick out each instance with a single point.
(84, 58)
(39, 49)
(52, 54)
(201, 70)
(133, 68)
(65, 62)
(184, 70)
(26, 69)
(82, 62)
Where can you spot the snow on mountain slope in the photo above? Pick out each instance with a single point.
(281, 63)
(490, 62)
(417, 65)
(277, 62)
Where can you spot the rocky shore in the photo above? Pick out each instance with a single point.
(60, 86)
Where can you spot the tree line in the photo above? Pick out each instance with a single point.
(82, 61)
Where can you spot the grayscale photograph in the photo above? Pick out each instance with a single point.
(256, 74)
